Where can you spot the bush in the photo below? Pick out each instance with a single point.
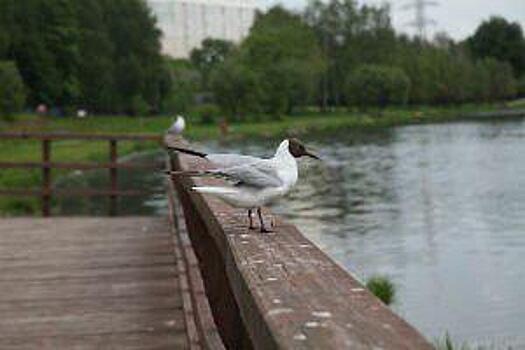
(375, 85)
(500, 83)
(139, 106)
(12, 90)
(207, 113)
(236, 89)
(382, 288)
(184, 84)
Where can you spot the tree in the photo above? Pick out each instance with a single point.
(184, 84)
(500, 83)
(502, 40)
(349, 35)
(236, 88)
(288, 73)
(98, 54)
(212, 53)
(375, 85)
(12, 91)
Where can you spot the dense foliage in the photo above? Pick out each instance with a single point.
(211, 53)
(341, 54)
(12, 91)
(499, 39)
(375, 85)
(275, 69)
(103, 55)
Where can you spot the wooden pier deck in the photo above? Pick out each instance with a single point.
(90, 283)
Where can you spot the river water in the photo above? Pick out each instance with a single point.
(440, 209)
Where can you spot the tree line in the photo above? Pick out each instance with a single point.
(340, 54)
(99, 55)
(104, 56)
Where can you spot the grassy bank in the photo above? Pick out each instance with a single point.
(96, 151)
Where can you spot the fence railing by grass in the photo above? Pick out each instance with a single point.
(46, 192)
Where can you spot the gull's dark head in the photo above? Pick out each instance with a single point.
(297, 149)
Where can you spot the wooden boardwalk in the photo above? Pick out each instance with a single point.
(89, 283)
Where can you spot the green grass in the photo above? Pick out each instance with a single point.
(446, 343)
(299, 124)
(382, 288)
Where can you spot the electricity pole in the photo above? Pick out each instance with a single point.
(421, 21)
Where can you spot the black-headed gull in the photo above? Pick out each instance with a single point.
(257, 181)
(178, 126)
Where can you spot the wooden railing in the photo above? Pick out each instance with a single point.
(278, 290)
(46, 192)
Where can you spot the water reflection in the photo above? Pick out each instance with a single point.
(136, 179)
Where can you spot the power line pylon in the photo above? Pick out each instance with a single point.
(421, 21)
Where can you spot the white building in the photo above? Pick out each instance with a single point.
(185, 23)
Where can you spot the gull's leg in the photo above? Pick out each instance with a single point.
(251, 227)
(263, 228)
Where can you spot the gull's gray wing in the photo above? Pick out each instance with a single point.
(261, 173)
(226, 160)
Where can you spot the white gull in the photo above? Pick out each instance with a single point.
(256, 181)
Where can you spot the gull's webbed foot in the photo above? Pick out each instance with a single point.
(251, 226)
(265, 230)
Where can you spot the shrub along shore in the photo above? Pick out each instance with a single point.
(296, 125)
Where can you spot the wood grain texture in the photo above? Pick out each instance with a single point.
(89, 283)
(290, 294)
(201, 328)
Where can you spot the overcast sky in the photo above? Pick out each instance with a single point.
(459, 18)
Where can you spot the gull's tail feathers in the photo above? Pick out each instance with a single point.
(188, 151)
(215, 190)
(186, 173)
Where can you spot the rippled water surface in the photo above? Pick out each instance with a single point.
(438, 208)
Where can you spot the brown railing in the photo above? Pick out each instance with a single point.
(46, 165)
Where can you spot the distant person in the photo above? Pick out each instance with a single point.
(178, 126)
(41, 109)
(224, 127)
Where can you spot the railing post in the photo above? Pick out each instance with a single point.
(113, 177)
(46, 178)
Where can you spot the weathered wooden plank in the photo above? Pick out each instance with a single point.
(58, 289)
(61, 307)
(99, 248)
(85, 259)
(71, 193)
(80, 136)
(82, 226)
(58, 243)
(82, 237)
(166, 340)
(64, 272)
(79, 166)
(51, 228)
(202, 330)
(92, 323)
